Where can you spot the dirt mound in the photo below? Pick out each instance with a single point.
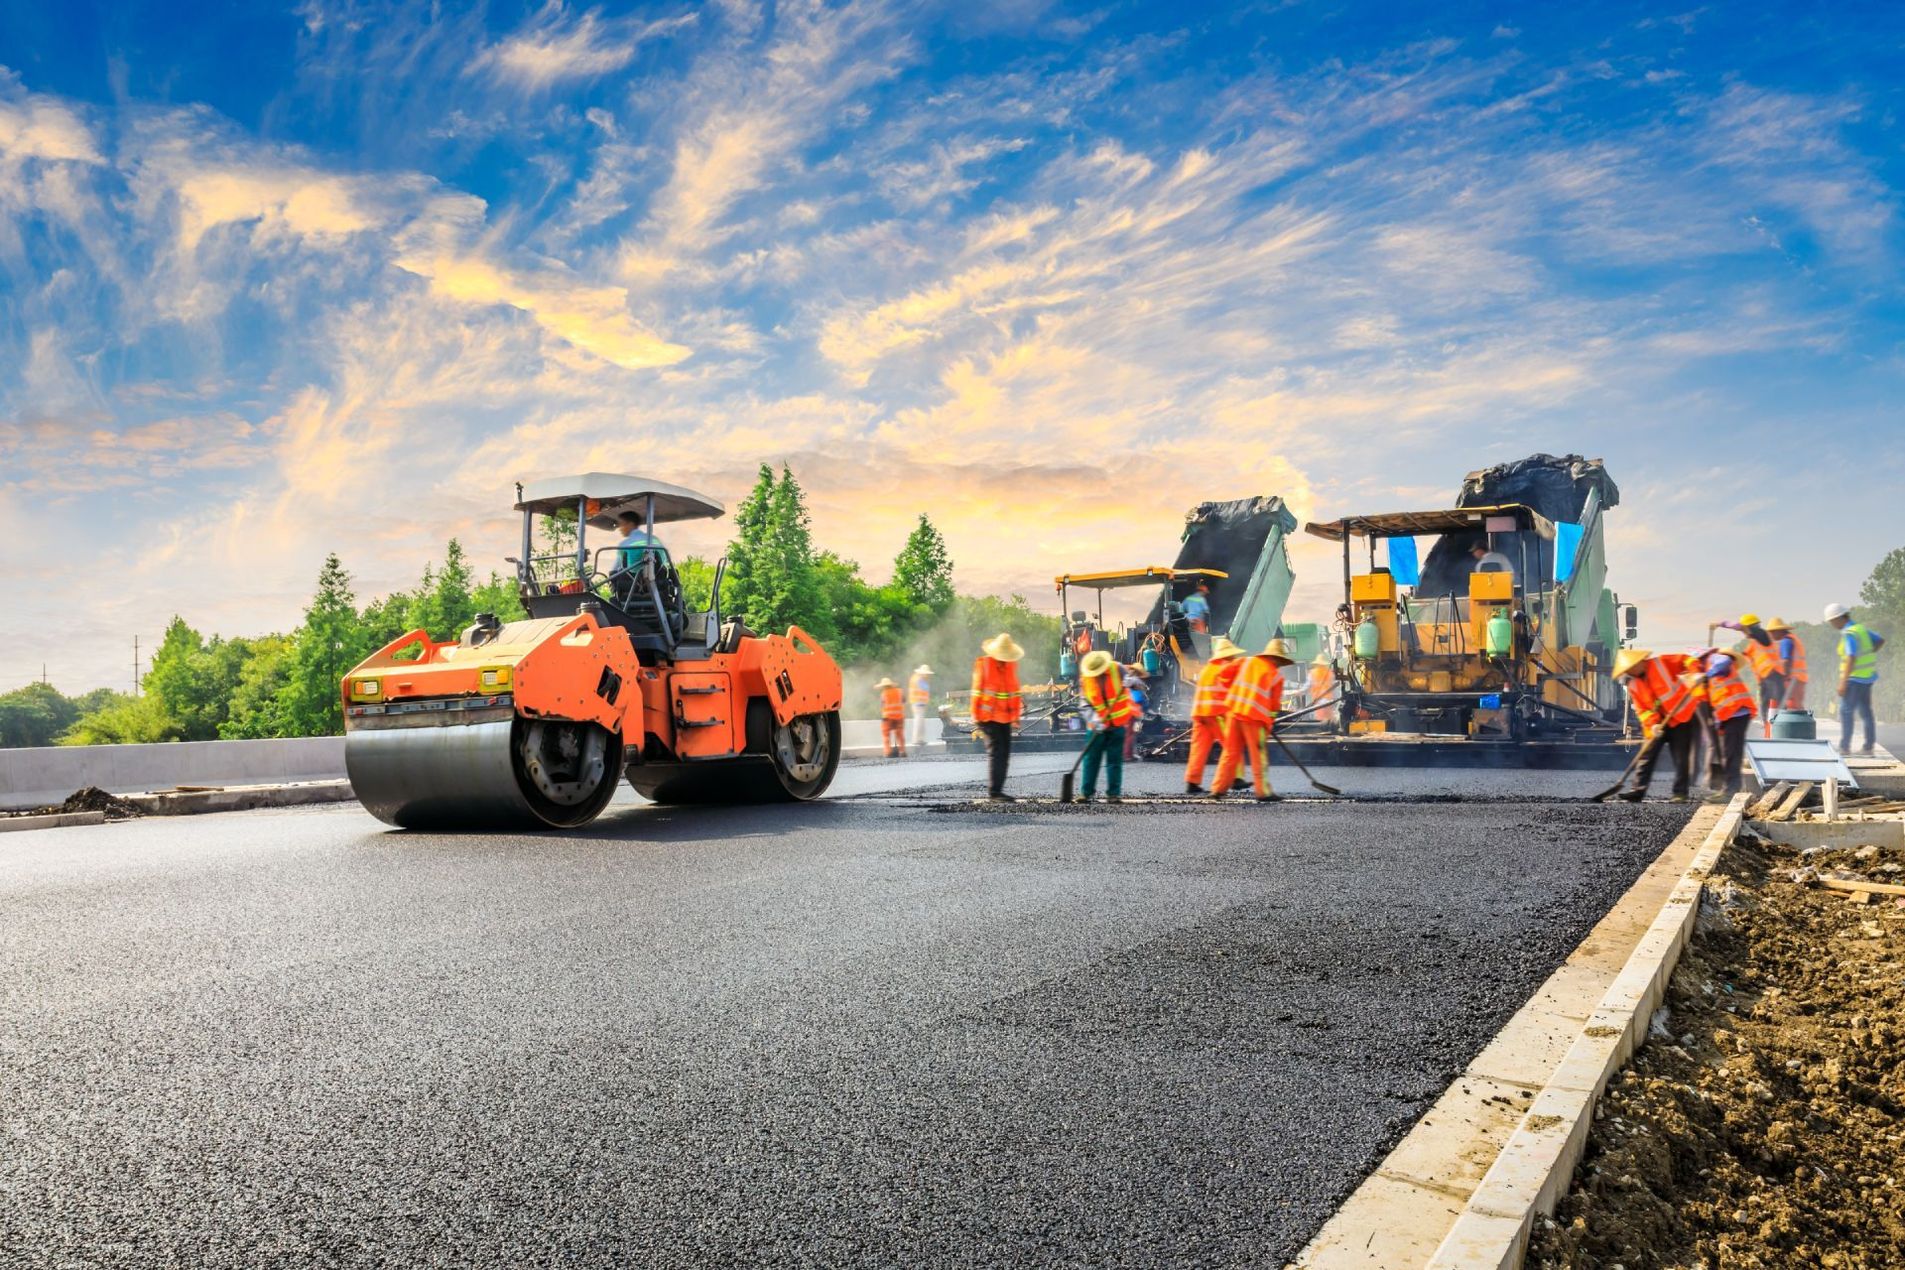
(1764, 1123)
(93, 798)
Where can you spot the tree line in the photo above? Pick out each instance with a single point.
(286, 685)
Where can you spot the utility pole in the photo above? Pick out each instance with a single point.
(135, 665)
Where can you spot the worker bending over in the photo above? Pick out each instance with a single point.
(1101, 682)
(1792, 661)
(1769, 668)
(1858, 674)
(1208, 706)
(892, 719)
(1664, 691)
(919, 695)
(996, 707)
(1256, 697)
(1732, 705)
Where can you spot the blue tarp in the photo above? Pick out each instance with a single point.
(1404, 565)
(1567, 544)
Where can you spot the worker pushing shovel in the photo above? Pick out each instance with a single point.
(1666, 690)
(1256, 697)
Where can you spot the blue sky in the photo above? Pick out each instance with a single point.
(283, 279)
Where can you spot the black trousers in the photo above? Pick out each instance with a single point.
(998, 743)
(1772, 695)
(1680, 741)
(1732, 752)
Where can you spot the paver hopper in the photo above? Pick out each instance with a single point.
(533, 722)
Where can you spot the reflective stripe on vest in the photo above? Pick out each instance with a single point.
(1660, 697)
(1764, 658)
(1258, 693)
(892, 704)
(1213, 688)
(1799, 660)
(1864, 664)
(995, 691)
(922, 690)
(1105, 693)
(1728, 696)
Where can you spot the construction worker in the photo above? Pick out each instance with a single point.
(1792, 660)
(1761, 653)
(1208, 706)
(1322, 683)
(892, 719)
(1134, 682)
(1102, 683)
(1256, 697)
(919, 695)
(1732, 706)
(1858, 673)
(1662, 689)
(1197, 608)
(996, 707)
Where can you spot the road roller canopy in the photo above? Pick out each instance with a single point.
(608, 495)
(1151, 575)
(1508, 518)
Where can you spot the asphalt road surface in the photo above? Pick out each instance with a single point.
(891, 1028)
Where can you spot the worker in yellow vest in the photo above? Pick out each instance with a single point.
(1208, 706)
(1792, 657)
(1101, 683)
(1256, 698)
(1858, 675)
(997, 706)
(1726, 696)
(892, 719)
(919, 696)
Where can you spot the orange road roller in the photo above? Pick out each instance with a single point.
(532, 723)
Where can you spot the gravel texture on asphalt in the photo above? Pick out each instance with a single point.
(841, 1034)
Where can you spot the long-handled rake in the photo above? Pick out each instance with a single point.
(1328, 789)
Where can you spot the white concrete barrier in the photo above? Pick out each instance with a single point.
(36, 777)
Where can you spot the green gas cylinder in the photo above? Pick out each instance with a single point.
(1152, 662)
(1795, 725)
(1501, 635)
(1368, 638)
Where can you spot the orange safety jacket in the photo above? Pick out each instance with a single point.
(1213, 688)
(1257, 695)
(1798, 672)
(1765, 659)
(1661, 692)
(892, 704)
(995, 691)
(1728, 696)
(920, 690)
(1105, 693)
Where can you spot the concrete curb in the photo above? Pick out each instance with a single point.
(52, 820)
(1537, 1164)
(242, 798)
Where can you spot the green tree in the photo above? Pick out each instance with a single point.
(442, 604)
(332, 640)
(743, 587)
(125, 720)
(192, 681)
(255, 711)
(35, 715)
(923, 570)
(771, 562)
(499, 595)
(1885, 589)
(697, 582)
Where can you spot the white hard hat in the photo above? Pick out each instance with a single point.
(1837, 610)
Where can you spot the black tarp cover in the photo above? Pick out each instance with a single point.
(1558, 488)
(1228, 536)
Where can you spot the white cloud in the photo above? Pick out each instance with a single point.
(554, 47)
(39, 127)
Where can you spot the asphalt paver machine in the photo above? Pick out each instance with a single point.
(611, 676)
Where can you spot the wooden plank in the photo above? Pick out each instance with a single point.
(1865, 888)
(1800, 793)
(1767, 801)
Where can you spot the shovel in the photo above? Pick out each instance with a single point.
(1647, 747)
(1069, 782)
(1328, 789)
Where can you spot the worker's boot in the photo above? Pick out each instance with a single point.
(1192, 787)
(1632, 795)
(1000, 798)
(1269, 796)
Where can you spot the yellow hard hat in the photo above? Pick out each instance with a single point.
(1749, 619)
(1281, 650)
(1096, 662)
(1778, 624)
(1627, 659)
(1223, 648)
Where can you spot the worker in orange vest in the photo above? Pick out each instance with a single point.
(1792, 657)
(1665, 692)
(892, 719)
(1732, 706)
(997, 706)
(1208, 706)
(1101, 683)
(1322, 683)
(919, 696)
(1760, 651)
(1256, 698)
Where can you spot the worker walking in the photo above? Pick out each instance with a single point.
(919, 695)
(1322, 683)
(1197, 608)
(996, 707)
(1208, 706)
(1769, 668)
(1792, 659)
(1256, 698)
(1732, 707)
(892, 719)
(1858, 674)
(1662, 689)
(1102, 683)
(1140, 690)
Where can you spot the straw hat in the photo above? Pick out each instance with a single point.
(1324, 662)
(1627, 659)
(1096, 662)
(922, 669)
(1778, 624)
(1134, 672)
(1280, 650)
(1002, 647)
(1749, 619)
(1223, 648)
(886, 683)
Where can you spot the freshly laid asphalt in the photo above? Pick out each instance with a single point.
(890, 1028)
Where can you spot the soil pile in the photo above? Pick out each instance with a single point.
(1763, 1125)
